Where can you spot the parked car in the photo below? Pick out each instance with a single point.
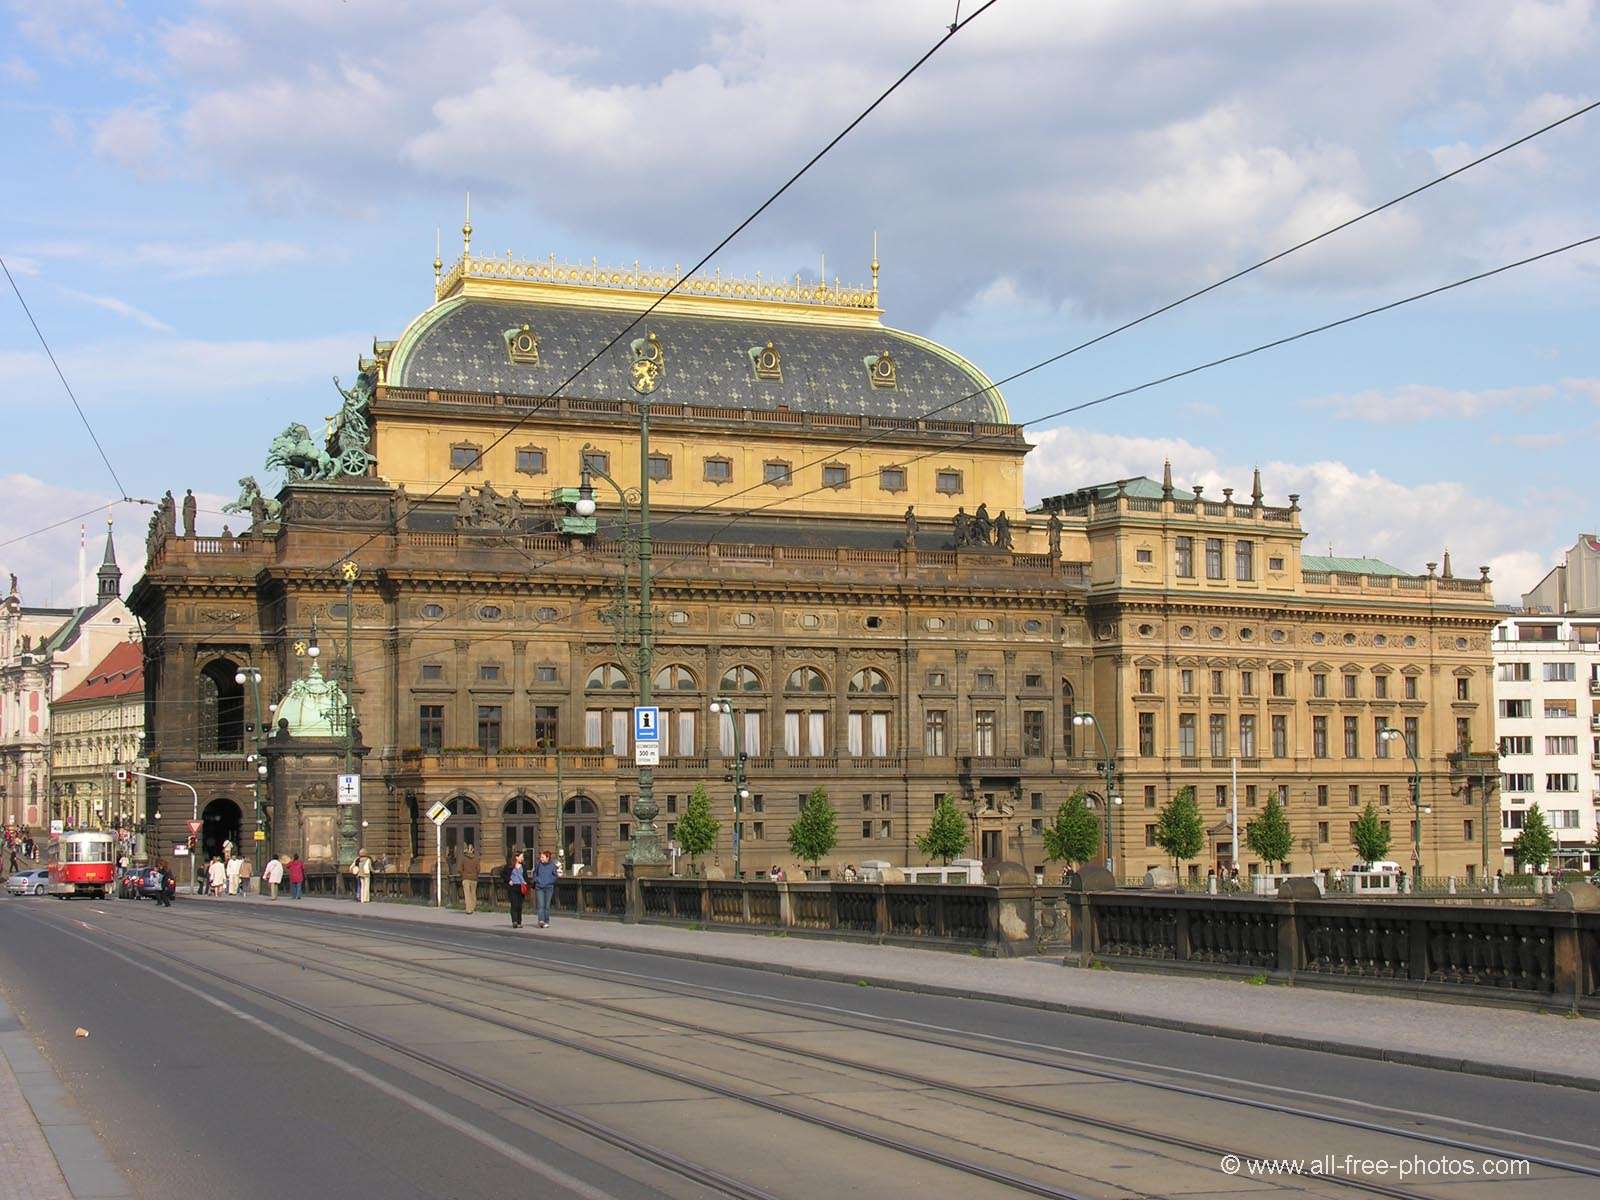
(29, 883)
(141, 883)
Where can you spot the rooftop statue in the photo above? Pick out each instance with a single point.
(347, 438)
(250, 498)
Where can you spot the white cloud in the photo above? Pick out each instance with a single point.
(17, 70)
(68, 28)
(1353, 512)
(121, 307)
(46, 563)
(194, 260)
(170, 370)
(1411, 403)
(136, 140)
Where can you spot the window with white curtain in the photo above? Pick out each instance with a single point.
(685, 731)
(725, 733)
(752, 733)
(878, 726)
(593, 723)
(791, 733)
(856, 734)
(620, 718)
(818, 723)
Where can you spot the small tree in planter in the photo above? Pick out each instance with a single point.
(1370, 835)
(697, 828)
(947, 832)
(1269, 834)
(1179, 830)
(1073, 836)
(815, 831)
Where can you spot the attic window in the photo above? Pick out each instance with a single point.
(522, 346)
(767, 362)
(881, 369)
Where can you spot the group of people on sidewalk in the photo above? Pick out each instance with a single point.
(230, 875)
(541, 879)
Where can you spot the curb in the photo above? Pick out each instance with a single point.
(1399, 1057)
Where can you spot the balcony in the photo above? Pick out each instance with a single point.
(224, 765)
(990, 764)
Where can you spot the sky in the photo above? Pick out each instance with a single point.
(212, 208)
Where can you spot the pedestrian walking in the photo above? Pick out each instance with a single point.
(544, 882)
(217, 877)
(244, 876)
(169, 886)
(516, 890)
(296, 873)
(469, 878)
(362, 870)
(272, 876)
(231, 874)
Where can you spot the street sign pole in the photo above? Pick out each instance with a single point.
(438, 813)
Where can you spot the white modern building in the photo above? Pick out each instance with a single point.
(1547, 697)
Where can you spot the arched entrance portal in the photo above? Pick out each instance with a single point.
(521, 826)
(219, 823)
(580, 826)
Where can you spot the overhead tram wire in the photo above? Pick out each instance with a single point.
(1060, 356)
(950, 32)
(61, 375)
(89, 512)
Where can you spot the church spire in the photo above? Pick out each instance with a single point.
(109, 574)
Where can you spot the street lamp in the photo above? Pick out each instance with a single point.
(252, 676)
(722, 706)
(348, 815)
(1391, 734)
(1087, 721)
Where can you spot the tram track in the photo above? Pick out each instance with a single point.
(692, 1171)
(912, 1078)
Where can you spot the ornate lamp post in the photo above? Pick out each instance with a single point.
(645, 845)
(252, 676)
(1086, 720)
(722, 706)
(349, 814)
(1391, 734)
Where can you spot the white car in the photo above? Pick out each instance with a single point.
(29, 883)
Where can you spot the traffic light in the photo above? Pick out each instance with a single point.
(194, 841)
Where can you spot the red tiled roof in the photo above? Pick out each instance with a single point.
(120, 673)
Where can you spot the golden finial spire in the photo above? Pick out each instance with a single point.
(438, 262)
(874, 268)
(466, 229)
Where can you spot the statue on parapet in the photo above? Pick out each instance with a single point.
(1054, 529)
(261, 508)
(298, 457)
(962, 528)
(911, 527)
(190, 508)
(982, 526)
(1002, 532)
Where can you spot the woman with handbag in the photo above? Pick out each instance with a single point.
(517, 890)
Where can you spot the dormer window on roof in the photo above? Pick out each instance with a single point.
(768, 363)
(881, 369)
(522, 345)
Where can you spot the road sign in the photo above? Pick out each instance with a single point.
(438, 812)
(180, 850)
(194, 826)
(259, 835)
(349, 789)
(646, 723)
(647, 754)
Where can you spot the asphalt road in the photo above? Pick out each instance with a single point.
(213, 1069)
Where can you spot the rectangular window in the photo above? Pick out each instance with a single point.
(1463, 734)
(1561, 745)
(489, 728)
(597, 460)
(752, 733)
(594, 728)
(1144, 556)
(718, 470)
(1466, 830)
(1561, 783)
(1412, 735)
(791, 732)
(1247, 683)
(1517, 781)
(489, 672)
(759, 829)
(1280, 684)
(776, 473)
(660, 467)
(1515, 672)
(1352, 737)
(1147, 734)
(1186, 732)
(1411, 687)
(1219, 683)
(1222, 795)
(1247, 736)
(948, 483)
(1149, 795)
(1353, 794)
(1319, 737)
(1560, 672)
(983, 681)
(1213, 558)
(1275, 563)
(1186, 681)
(983, 732)
(1033, 732)
(1249, 795)
(1036, 801)
(1555, 710)
(1319, 684)
(432, 672)
(1183, 564)
(620, 721)
(936, 680)
(1380, 686)
(1280, 735)
(835, 476)
(1383, 794)
(1349, 687)
(1322, 833)
(1244, 560)
(1219, 735)
(530, 460)
(1563, 818)
(1516, 745)
(1322, 795)
(892, 479)
(1147, 679)
(687, 720)
(545, 673)
(546, 725)
(466, 458)
(1380, 744)
(1149, 835)
(430, 727)
(1463, 688)
(1033, 681)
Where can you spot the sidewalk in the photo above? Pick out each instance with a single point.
(47, 1149)
(1501, 1042)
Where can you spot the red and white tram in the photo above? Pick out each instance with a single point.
(82, 864)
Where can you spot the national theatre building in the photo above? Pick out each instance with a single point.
(839, 549)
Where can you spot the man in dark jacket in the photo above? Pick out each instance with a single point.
(544, 882)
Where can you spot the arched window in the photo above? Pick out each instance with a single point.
(521, 815)
(608, 676)
(580, 826)
(806, 679)
(221, 708)
(461, 826)
(676, 678)
(741, 679)
(1069, 702)
(870, 680)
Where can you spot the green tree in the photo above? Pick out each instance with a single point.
(947, 832)
(1533, 846)
(1178, 828)
(1073, 836)
(1370, 835)
(1269, 835)
(697, 828)
(815, 831)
